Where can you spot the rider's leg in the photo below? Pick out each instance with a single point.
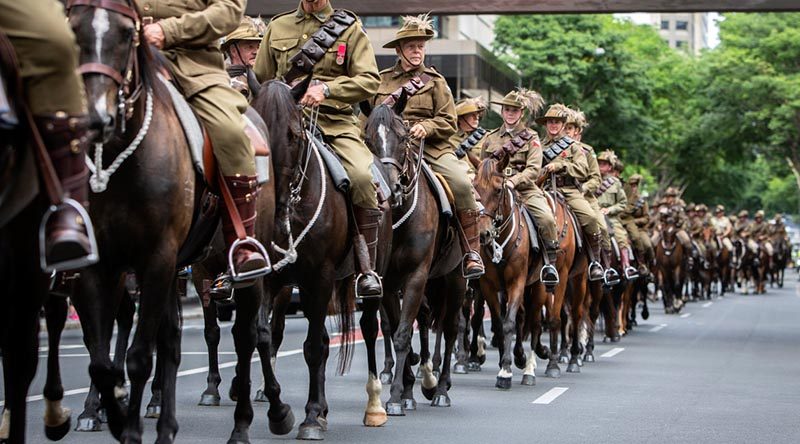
(220, 109)
(455, 173)
(624, 244)
(53, 91)
(536, 203)
(590, 224)
(356, 160)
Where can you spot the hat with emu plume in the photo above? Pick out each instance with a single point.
(578, 118)
(419, 27)
(608, 156)
(523, 98)
(558, 112)
(469, 106)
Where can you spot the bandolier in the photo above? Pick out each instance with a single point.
(636, 219)
(613, 201)
(469, 135)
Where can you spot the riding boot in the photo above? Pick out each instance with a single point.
(641, 258)
(549, 274)
(68, 242)
(365, 245)
(472, 265)
(625, 260)
(248, 256)
(595, 269)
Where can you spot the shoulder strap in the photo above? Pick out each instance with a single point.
(315, 48)
(411, 87)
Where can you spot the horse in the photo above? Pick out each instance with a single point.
(780, 259)
(23, 284)
(725, 268)
(671, 267)
(424, 262)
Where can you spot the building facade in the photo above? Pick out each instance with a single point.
(685, 31)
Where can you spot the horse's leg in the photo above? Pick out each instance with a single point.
(315, 350)
(453, 293)
(423, 325)
(57, 419)
(554, 325)
(124, 317)
(386, 329)
(244, 338)
(579, 289)
(436, 359)
(563, 348)
(515, 287)
(211, 333)
(460, 367)
(167, 363)
(153, 408)
(477, 352)
(375, 414)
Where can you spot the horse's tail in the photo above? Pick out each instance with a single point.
(345, 299)
(436, 293)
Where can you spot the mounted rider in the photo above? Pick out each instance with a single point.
(778, 228)
(343, 75)
(521, 144)
(706, 225)
(759, 232)
(430, 116)
(53, 92)
(188, 35)
(672, 208)
(469, 134)
(723, 228)
(240, 48)
(636, 218)
(566, 167)
(613, 202)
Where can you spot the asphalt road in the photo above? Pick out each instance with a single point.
(726, 371)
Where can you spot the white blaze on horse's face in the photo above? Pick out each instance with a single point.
(101, 26)
(384, 140)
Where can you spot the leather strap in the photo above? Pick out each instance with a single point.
(118, 7)
(99, 68)
(411, 87)
(230, 207)
(604, 186)
(315, 48)
(556, 148)
(515, 144)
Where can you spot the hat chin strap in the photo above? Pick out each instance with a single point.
(405, 59)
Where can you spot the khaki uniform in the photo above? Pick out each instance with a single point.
(192, 32)
(47, 55)
(698, 225)
(615, 201)
(722, 225)
(636, 218)
(759, 232)
(590, 186)
(574, 171)
(525, 165)
(350, 82)
(455, 141)
(433, 108)
(675, 210)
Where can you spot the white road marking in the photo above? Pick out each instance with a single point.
(686, 315)
(86, 355)
(708, 304)
(613, 352)
(658, 328)
(550, 396)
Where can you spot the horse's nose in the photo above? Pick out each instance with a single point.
(103, 125)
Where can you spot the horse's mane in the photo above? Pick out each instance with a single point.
(384, 115)
(277, 107)
(485, 172)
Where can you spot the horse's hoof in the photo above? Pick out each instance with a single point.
(573, 367)
(209, 400)
(375, 419)
(441, 401)
(395, 409)
(55, 433)
(645, 313)
(414, 358)
(563, 359)
(409, 405)
(553, 372)
(460, 369)
(605, 339)
(260, 396)
(436, 374)
(634, 323)
(428, 393)
(284, 426)
(386, 378)
(311, 433)
(588, 357)
(529, 380)
(615, 338)
(153, 412)
(239, 437)
(503, 383)
(473, 367)
(89, 424)
(103, 416)
(520, 361)
(580, 361)
(482, 359)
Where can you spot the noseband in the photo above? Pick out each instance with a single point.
(128, 84)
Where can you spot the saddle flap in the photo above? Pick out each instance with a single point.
(257, 139)
(195, 135)
(533, 235)
(338, 174)
(441, 194)
(451, 199)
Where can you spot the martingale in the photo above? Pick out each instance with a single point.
(315, 48)
(556, 148)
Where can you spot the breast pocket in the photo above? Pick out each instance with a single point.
(334, 65)
(420, 105)
(283, 50)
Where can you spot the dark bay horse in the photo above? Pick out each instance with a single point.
(670, 267)
(423, 264)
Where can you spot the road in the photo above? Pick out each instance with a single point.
(725, 371)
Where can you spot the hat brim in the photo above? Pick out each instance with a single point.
(394, 43)
(505, 103)
(543, 120)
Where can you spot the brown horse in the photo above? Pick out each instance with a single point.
(423, 264)
(670, 267)
(724, 264)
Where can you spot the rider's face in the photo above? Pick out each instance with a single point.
(554, 126)
(511, 115)
(413, 51)
(605, 167)
(572, 131)
(468, 122)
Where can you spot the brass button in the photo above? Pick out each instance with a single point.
(305, 36)
(284, 48)
(78, 220)
(75, 146)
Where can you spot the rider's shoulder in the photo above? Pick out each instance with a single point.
(283, 17)
(431, 71)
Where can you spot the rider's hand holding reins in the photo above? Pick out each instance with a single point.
(418, 131)
(314, 96)
(154, 35)
(553, 167)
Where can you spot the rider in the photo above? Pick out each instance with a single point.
(343, 76)
(469, 134)
(189, 39)
(758, 231)
(565, 160)
(430, 115)
(53, 92)
(722, 227)
(672, 207)
(524, 164)
(240, 48)
(613, 201)
(636, 218)
(778, 228)
(705, 222)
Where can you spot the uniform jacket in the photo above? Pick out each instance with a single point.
(639, 216)
(758, 229)
(721, 225)
(525, 163)
(613, 199)
(350, 82)
(594, 178)
(572, 160)
(192, 32)
(432, 106)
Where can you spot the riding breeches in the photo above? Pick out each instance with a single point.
(47, 55)
(606, 242)
(682, 237)
(220, 108)
(583, 211)
(619, 233)
(753, 246)
(639, 239)
(456, 174)
(727, 243)
(536, 202)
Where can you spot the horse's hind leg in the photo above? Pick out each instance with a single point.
(244, 338)
(477, 349)
(57, 419)
(375, 414)
(453, 302)
(386, 328)
(167, 363)
(211, 333)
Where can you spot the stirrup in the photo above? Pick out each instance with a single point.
(631, 273)
(71, 264)
(222, 288)
(549, 283)
(464, 267)
(610, 277)
(253, 274)
(364, 275)
(595, 264)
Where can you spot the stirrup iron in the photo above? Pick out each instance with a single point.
(71, 264)
(363, 275)
(248, 275)
(549, 283)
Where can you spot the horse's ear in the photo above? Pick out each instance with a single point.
(365, 107)
(400, 103)
(299, 90)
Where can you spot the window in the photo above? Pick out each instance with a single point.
(681, 25)
(381, 21)
(664, 24)
(680, 44)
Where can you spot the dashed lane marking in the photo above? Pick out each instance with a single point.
(550, 396)
(708, 304)
(613, 352)
(658, 328)
(685, 315)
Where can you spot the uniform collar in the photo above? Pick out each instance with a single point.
(398, 70)
(322, 15)
(548, 140)
(519, 127)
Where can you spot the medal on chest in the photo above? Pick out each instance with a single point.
(340, 52)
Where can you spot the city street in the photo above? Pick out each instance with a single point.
(721, 371)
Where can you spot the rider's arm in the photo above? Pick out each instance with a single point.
(443, 123)
(621, 201)
(203, 28)
(578, 168)
(361, 80)
(533, 164)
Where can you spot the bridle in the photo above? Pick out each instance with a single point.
(501, 221)
(128, 82)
